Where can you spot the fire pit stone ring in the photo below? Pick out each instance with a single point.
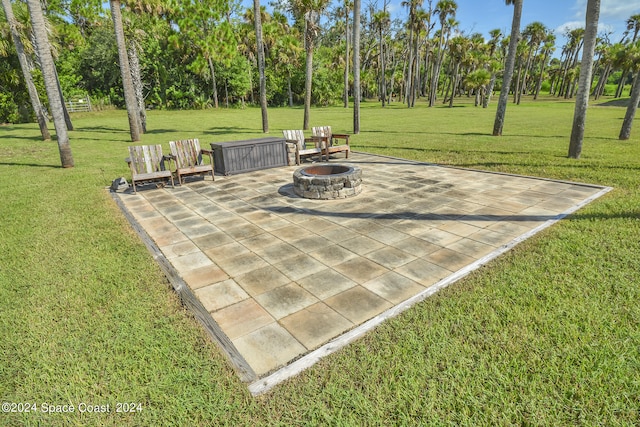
(327, 181)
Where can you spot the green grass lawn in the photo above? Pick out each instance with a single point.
(548, 334)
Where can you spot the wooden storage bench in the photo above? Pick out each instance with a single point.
(248, 155)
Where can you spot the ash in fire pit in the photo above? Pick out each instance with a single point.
(327, 181)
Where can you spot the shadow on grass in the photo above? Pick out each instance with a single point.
(487, 134)
(436, 150)
(31, 165)
(101, 129)
(227, 130)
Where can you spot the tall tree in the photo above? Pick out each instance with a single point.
(310, 11)
(125, 71)
(26, 70)
(509, 66)
(625, 131)
(445, 9)
(257, 20)
(49, 75)
(584, 82)
(381, 20)
(348, 5)
(356, 67)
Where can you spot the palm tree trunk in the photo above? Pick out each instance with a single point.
(542, 68)
(212, 70)
(625, 131)
(65, 112)
(26, 71)
(136, 79)
(582, 98)
(487, 98)
(125, 71)
(409, 87)
(260, 50)
(308, 74)
(49, 75)
(290, 93)
(345, 95)
(509, 66)
(356, 67)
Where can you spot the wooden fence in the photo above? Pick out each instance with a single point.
(80, 105)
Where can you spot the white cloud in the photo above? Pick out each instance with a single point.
(561, 30)
(611, 10)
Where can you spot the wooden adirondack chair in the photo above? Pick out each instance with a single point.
(188, 157)
(331, 140)
(147, 164)
(302, 149)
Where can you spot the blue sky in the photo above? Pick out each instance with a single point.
(484, 15)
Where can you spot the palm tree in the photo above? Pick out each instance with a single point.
(26, 71)
(547, 49)
(129, 93)
(536, 33)
(509, 66)
(445, 9)
(257, 20)
(381, 20)
(49, 75)
(584, 83)
(356, 66)
(347, 6)
(310, 11)
(625, 131)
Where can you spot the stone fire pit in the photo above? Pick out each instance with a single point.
(327, 181)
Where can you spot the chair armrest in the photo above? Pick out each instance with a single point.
(128, 160)
(206, 151)
(341, 136)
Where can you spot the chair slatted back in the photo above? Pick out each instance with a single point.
(323, 131)
(186, 152)
(146, 158)
(295, 135)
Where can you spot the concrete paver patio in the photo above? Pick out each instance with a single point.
(282, 276)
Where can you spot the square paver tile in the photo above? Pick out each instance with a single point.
(300, 266)
(471, 248)
(220, 295)
(310, 243)
(326, 283)
(285, 300)
(360, 269)
(315, 325)
(203, 276)
(242, 318)
(390, 257)
(175, 250)
(423, 272)
(358, 304)
(268, 348)
(212, 240)
(449, 259)
(333, 254)
(226, 251)
(387, 235)
(261, 280)
(191, 261)
(394, 287)
(415, 246)
(241, 264)
(361, 245)
(278, 252)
